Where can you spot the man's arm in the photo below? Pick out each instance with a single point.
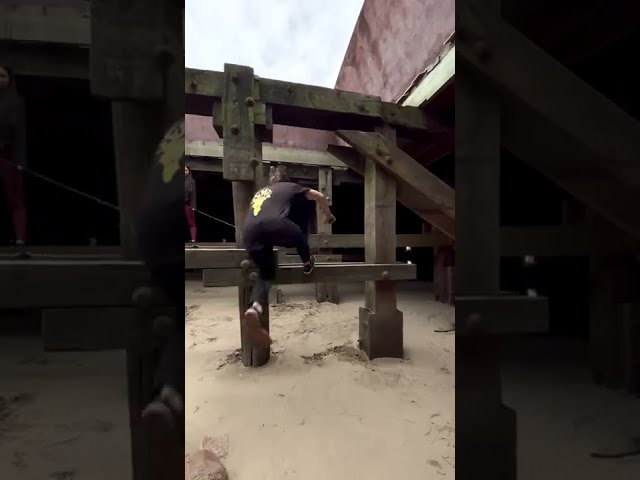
(321, 200)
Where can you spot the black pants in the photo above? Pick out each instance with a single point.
(260, 238)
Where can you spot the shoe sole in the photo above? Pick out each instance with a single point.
(164, 456)
(257, 335)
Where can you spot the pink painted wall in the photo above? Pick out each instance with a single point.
(392, 43)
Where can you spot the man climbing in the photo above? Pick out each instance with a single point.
(161, 246)
(268, 224)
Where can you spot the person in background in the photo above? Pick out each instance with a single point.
(269, 225)
(13, 152)
(190, 203)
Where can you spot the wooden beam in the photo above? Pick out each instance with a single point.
(380, 321)
(50, 283)
(403, 168)
(270, 153)
(438, 77)
(531, 140)
(40, 60)
(309, 106)
(407, 195)
(299, 173)
(137, 130)
(325, 292)
(502, 315)
(344, 240)
(526, 74)
(65, 250)
(293, 274)
(478, 185)
(61, 24)
(242, 154)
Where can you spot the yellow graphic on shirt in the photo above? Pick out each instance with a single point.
(171, 150)
(258, 199)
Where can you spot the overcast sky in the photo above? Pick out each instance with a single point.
(302, 41)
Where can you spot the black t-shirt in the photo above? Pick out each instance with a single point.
(277, 201)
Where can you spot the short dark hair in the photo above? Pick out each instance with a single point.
(277, 174)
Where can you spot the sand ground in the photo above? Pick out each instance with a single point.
(313, 413)
(63, 416)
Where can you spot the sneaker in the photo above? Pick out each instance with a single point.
(258, 336)
(307, 268)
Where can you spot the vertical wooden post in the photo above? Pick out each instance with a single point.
(137, 129)
(325, 292)
(242, 165)
(381, 323)
(486, 429)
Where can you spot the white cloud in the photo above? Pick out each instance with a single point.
(302, 41)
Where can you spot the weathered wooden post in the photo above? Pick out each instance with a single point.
(242, 158)
(325, 292)
(486, 436)
(136, 62)
(381, 332)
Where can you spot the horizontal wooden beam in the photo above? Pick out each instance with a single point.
(503, 315)
(64, 250)
(88, 283)
(270, 153)
(62, 24)
(305, 174)
(408, 195)
(310, 106)
(347, 240)
(293, 274)
(43, 60)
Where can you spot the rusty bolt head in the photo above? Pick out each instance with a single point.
(385, 275)
(249, 101)
(290, 90)
(234, 78)
(387, 159)
(326, 242)
(235, 129)
(193, 85)
(254, 162)
(253, 276)
(245, 264)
